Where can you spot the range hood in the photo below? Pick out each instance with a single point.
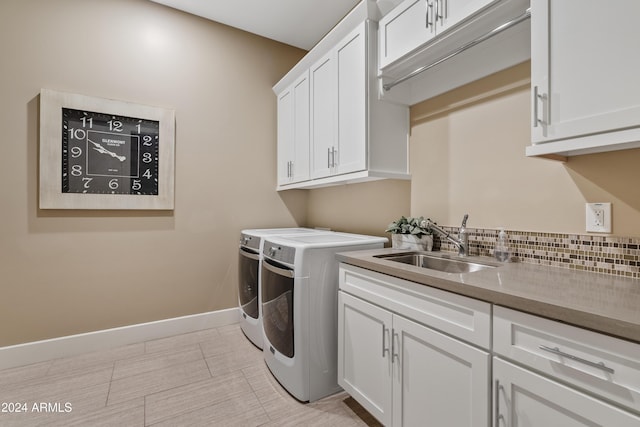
(495, 38)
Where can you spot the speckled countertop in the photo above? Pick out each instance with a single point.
(599, 302)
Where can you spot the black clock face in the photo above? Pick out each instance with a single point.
(109, 154)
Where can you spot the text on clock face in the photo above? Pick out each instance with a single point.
(105, 153)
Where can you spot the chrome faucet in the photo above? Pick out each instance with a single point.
(462, 242)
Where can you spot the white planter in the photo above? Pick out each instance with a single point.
(411, 242)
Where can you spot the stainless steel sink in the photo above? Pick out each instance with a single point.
(439, 263)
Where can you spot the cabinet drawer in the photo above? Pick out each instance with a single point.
(606, 366)
(465, 318)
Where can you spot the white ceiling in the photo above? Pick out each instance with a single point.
(300, 23)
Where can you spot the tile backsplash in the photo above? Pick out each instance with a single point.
(619, 256)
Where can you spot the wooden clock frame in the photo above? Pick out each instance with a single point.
(51, 158)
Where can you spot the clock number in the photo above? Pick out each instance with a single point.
(146, 157)
(147, 140)
(136, 185)
(85, 121)
(86, 182)
(77, 133)
(76, 152)
(147, 174)
(113, 184)
(76, 170)
(115, 125)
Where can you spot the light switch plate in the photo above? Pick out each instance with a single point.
(598, 217)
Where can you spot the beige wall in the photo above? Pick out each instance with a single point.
(468, 146)
(67, 272)
(365, 208)
(467, 156)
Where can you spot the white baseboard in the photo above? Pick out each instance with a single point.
(40, 351)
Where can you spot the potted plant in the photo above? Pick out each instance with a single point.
(409, 233)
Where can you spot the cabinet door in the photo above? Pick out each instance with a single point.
(299, 169)
(406, 27)
(285, 136)
(324, 92)
(524, 398)
(584, 67)
(350, 154)
(364, 354)
(293, 132)
(438, 380)
(450, 12)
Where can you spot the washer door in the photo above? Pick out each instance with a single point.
(277, 307)
(248, 282)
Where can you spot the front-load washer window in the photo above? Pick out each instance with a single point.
(277, 306)
(248, 282)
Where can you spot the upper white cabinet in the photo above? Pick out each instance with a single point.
(293, 132)
(428, 47)
(584, 70)
(339, 108)
(415, 22)
(353, 135)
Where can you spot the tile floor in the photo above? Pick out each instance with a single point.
(214, 377)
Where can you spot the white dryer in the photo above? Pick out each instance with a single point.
(250, 260)
(299, 298)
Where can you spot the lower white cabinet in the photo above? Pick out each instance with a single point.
(413, 355)
(364, 355)
(525, 398)
(407, 374)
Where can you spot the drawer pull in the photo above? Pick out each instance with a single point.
(556, 350)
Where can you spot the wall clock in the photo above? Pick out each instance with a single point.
(98, 153)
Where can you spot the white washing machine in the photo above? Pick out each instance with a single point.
(299, 298)
(250, 260)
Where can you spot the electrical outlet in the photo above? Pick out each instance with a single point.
(598, 217)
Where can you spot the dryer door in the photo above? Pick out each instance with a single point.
(277, 307)
(248, 282)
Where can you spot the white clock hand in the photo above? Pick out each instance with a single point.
(100, 149)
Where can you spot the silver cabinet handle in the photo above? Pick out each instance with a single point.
(496, 404)
(535, 106)
(438, 14)
(429, 18)
(328, 157)
(556, 350)
(334, 162)
(385, 348)
(426, 15)
(537, 98)
(394, 355)
(291, 168)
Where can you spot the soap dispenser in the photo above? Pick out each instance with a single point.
(501, 251)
